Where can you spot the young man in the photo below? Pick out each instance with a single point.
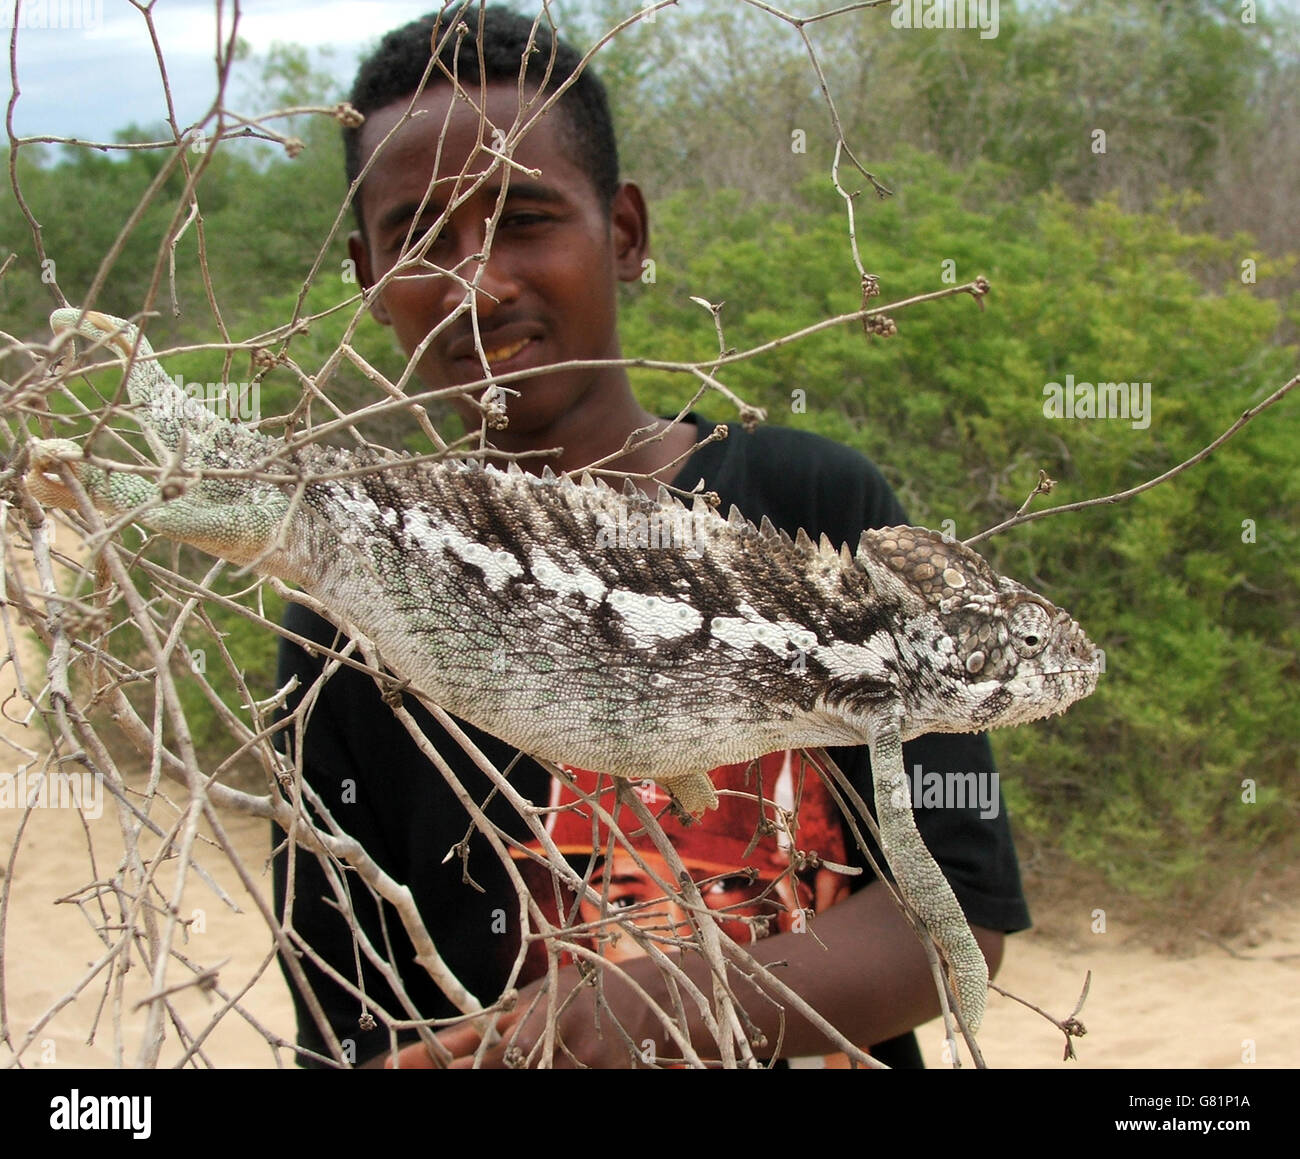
(546, 295)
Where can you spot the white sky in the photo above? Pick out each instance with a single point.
(100, 75)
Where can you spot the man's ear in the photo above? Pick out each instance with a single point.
(630, 223)
(361, 259)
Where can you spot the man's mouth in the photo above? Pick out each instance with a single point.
(504, 353)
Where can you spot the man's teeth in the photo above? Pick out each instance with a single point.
(501, 353)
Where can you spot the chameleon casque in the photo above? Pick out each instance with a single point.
(513, 602)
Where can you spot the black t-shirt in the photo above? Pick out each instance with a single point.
(378, 787)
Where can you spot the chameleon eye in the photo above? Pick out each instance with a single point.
(1029, 625)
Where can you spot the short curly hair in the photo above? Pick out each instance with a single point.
(393, 72)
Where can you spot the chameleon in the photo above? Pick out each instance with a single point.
(607, 629)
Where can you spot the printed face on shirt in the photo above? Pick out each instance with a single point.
(752, 908)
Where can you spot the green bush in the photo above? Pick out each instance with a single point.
(1191, 588)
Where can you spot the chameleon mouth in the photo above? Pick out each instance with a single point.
(1079, 675)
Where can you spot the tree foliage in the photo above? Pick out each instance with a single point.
(1200, 587)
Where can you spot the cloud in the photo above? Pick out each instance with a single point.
(90, 82)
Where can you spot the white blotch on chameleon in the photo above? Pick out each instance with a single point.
(361, 509)
(649, 619)
(750, 630)
(498, 566)
(578, 581)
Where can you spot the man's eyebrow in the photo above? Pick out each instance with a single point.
(400, 214)
(526, 189)
(521, 189)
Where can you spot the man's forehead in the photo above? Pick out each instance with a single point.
(458, 136)
(467, 120)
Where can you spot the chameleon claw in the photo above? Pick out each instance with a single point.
(693, 795)
(44, 479)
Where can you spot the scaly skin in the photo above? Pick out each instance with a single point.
(613, 632)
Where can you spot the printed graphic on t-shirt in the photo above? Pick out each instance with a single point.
(758, 858)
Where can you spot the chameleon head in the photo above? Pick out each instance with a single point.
(982, 650)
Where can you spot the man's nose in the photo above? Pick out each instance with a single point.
(487, 276)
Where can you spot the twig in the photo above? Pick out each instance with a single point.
(1119, 496)
(1070, 1026)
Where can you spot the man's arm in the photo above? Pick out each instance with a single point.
(870, 980)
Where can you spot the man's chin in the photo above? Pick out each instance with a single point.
(535, 413)
(522, 425)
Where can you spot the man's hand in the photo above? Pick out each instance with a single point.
(602, 1023)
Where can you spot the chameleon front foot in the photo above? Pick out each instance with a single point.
(692, 795)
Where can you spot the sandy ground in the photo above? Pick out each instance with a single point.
(1208, 1008)
(1204, 1008)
